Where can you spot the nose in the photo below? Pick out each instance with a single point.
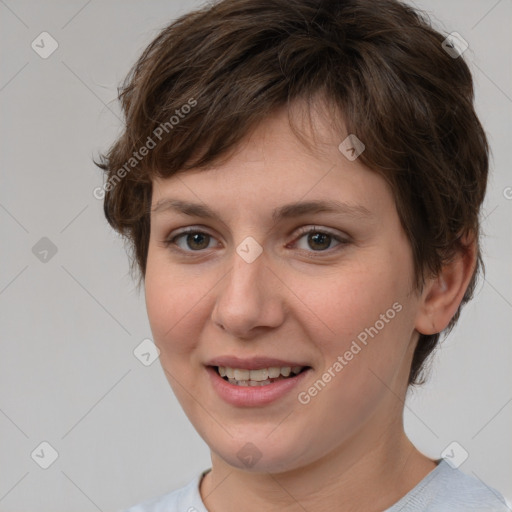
(249, 298)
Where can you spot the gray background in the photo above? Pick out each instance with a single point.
(68, 375)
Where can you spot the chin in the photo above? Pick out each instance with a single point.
(258, 454)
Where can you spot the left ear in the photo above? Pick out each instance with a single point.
(442, 295)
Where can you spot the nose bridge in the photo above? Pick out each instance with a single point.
(244, 281)
(247, 299)
(247, 267)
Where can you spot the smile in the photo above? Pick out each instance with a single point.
(260, 377)
(256, 387)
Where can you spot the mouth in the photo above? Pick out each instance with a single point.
(258, 377)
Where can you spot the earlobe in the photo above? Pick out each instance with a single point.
(442, 295)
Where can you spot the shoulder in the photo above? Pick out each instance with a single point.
(448, 489)
(457, 489)
(185, 499)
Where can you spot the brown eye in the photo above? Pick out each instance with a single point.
(193, 241)
(320, 241)
(197, 240)
(317, 240)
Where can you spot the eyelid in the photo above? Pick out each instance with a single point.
(312, 228)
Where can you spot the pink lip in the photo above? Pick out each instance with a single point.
(253, 396)
(253, 363)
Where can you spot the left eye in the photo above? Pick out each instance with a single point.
(198, 240)
(320, 240)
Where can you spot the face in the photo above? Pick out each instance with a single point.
(327, 291)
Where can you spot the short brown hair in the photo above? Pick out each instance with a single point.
(378, 63)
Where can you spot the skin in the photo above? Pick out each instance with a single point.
(346, 449)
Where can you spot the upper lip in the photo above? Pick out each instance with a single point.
(252, 363)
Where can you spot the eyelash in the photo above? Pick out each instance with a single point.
(168, 242)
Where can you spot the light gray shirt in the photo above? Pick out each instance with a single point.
(444, 489)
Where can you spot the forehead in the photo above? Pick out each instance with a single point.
(275, 169)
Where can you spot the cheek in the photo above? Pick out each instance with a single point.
(365, 316)
(363, 354)
(173, 306)
(357, 300)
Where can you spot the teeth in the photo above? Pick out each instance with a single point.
(285, 371)
(259, 375)
(274, 372)
(242, 374)
(245, 377)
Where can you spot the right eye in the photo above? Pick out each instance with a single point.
(193, 238)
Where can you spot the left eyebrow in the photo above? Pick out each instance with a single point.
(286, 211)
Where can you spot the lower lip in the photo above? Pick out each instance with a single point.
(253, 396)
